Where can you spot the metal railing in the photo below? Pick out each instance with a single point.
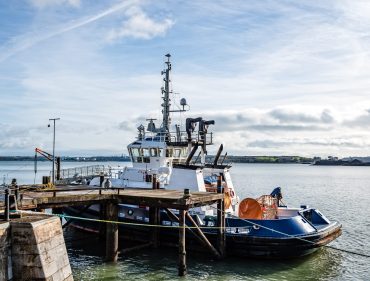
(180, 137)
(83, 172)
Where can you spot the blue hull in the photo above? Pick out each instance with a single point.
(243, 238)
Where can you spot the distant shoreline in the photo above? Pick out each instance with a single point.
(209, 159)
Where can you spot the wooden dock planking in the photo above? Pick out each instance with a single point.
(86, 195)
(65, 196)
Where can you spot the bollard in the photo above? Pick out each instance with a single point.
(6, 212)
(154, 181)
(186, 193)
(16, 192)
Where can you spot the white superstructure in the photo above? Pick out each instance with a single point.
(170, 155)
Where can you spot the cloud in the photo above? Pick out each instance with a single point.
(140, 26)
(278, 119)
(284, 77)
(47, 3)
(26, 41)
(14, 137)
(289, 116)
(342, 143)
(361, 121)
(286, 128)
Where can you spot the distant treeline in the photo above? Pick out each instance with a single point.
(270, 159)
(209, 158)
(68, 158)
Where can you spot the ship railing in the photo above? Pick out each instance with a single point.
(181, 137)
(83, 172)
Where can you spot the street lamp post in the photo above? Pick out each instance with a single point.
(53, 173)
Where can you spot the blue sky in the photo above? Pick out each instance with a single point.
(278, 77)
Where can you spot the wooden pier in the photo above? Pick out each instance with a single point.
(155, 199)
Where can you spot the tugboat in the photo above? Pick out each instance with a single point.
(257, 227)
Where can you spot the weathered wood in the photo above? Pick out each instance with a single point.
(197, 232)
(182, 250)
(7, 205)
(202, 237)
(154, 216)
(102, 226)
(111, 251)
(160, 198)
(221, 237)
(70, 220)
(138, 247)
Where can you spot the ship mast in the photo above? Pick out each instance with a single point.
(166, 96)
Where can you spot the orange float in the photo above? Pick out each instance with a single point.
(249, 208)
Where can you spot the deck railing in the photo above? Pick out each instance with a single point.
(83, 172)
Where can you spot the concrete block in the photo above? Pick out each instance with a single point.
(38, 250)
(4, 251)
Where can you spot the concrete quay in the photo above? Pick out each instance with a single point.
(32, 248)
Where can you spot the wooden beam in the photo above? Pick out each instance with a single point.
(111, 242)
(221, 238)
(154, 216)
(202, 237)
(138, 247)
(71, 219)
(182, 251)
(197, 232)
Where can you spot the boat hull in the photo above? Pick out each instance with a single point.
(239, 245)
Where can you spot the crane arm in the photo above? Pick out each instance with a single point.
(43, 153)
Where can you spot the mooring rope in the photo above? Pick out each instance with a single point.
(194, 227)
(296, 237)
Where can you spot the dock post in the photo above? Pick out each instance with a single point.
(101, 178)
(102, 225)
(154, 216)
(111, 241)
(182, 250)
(7, 205)
(221, 238)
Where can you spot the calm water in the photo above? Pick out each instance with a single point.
(341, 193)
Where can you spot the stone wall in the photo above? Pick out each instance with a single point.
(36, 247)
(4, 250)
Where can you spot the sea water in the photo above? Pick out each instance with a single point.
(341, 193)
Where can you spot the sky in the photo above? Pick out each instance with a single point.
(278, 77)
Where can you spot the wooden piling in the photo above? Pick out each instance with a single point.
(182, 251)
(111, 251)
(154, 216)
(102, 225)
(221, 238)
(7, 205)
(68, 196)
(196, 231)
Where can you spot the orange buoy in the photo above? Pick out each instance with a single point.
(249, 208)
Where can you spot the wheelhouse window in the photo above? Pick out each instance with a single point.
(145, 152)
(184, 152)
(177, 152)
(153, 152)
(136, 155)
(169, 152)
(146, 155)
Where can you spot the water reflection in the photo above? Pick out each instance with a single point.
(86, 254)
